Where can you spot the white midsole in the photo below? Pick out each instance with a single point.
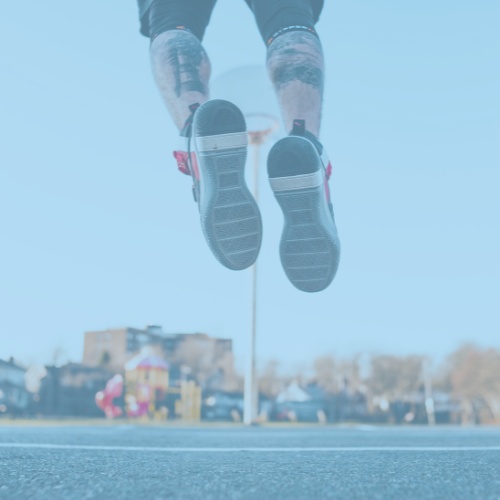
(222, 141)
(295, 182)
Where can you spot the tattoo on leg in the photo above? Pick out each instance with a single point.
(296, 56)
(185, 56)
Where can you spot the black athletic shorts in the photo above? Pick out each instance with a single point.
(273, 17)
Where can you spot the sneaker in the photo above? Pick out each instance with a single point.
(299, 171)
(214, 154)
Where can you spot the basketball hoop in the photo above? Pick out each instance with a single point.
(260, 126)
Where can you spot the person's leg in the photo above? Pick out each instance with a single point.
(213, 132)
(181, 69)
(296, 68)
(294, 57)
(297, 165)
(180, 64)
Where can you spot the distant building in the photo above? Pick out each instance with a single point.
(112, 348)
(14, 398)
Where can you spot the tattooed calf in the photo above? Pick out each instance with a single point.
(296, 56)
(185, 57)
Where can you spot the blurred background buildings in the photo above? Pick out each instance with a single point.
(147, 373)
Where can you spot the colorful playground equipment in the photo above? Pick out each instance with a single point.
(146, 379)
(146, 388)
(104, 399)
(188, 407)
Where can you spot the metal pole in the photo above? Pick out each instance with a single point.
(429, 399)
(257, 137)
(251, 403)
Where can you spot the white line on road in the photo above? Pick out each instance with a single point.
(335, 449)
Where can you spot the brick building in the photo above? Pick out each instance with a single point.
(112, 348)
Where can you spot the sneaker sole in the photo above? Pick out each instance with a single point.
(310, 247)
(230, 217)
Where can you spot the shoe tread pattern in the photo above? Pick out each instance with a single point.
(309, 247)
(230, 217)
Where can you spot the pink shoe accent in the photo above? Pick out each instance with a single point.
(182, 158)
(328, 171)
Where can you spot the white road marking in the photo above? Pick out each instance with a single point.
(335, 449)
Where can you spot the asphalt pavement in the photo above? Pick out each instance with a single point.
(164, 462)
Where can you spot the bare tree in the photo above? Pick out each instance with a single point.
(474, 377)
(349, 373)
(232, 380)
(270, 383)
(394, 377)
(198, 356)
(326, 375)
(207, 364)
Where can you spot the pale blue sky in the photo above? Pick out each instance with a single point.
(99, 230)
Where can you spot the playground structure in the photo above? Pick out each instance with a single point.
(188, 407)
(146, 382)
(146, 393)
(105, 399)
